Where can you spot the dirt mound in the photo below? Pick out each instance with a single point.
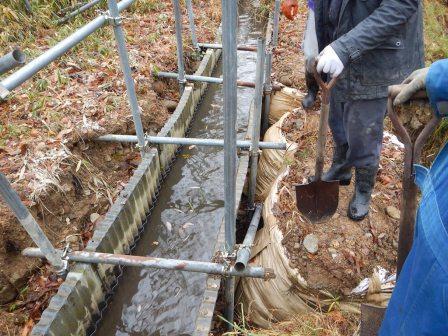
(321, 265)
(348, 251)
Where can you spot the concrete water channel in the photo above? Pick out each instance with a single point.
(186, 219)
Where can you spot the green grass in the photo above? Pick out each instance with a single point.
(436, 45)
(436, 30)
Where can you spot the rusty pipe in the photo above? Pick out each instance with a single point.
(158, 263)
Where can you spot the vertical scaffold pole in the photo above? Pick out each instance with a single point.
(258, 102)
(276, 23)
(269, 53)
(229, 46)
(194, 40)
(180, 47)
(115, 20)
(30, 225)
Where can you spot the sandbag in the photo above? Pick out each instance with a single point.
(273, 161)
(290, 294)
(284, 101)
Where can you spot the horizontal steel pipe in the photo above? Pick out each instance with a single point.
(11, 60)
(242, 144)
(29, 70)
(158, 263)
(212, 80)
(243, 254)
(78, 11)
(219, 46)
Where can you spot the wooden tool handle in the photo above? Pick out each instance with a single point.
(323, 123)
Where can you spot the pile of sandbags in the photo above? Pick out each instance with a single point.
(272, 161)
(337, 264)
(284, 101)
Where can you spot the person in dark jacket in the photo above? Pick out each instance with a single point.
(369, 44)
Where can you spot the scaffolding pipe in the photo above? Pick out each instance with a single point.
(28, 6)
(11, 60)
(243, 255)
(80, 10)
(180, 47)
(211, 80)
(219, 46)
(242, 144)
(30, 225)
(268, 81)
(276, 23)
(229, 24)
(26, 72)
(157, 263)
(115, 20)
(73, 7)
(256, 123)
(194, 40)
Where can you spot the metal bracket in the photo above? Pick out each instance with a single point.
(65, 269)
(113, 20)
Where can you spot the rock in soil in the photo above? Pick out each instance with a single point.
(170, 105)
(311, 243)
(7, 292)
(359, 248)
(393, 212)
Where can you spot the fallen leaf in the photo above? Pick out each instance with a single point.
(27, 328)
(94, 217)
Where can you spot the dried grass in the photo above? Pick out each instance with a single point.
(334, 323)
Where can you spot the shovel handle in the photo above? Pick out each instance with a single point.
(323, 123)
(325, 88)
(412, 155)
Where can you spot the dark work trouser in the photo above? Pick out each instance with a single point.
(359, 123)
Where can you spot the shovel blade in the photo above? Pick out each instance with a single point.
(318, 200)
(371, 319)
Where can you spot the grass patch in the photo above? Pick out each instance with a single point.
(436, 45)
(334, 323)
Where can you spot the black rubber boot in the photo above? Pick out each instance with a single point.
(338, 170)
(313, 89)
(360, 203)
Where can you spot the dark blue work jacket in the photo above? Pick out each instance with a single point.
(419, 304)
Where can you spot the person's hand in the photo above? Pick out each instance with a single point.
(290, 8)
(329, 62)
(414, 83)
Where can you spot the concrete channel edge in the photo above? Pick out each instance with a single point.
(78, 301)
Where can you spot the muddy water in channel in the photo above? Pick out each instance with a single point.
(185, 221)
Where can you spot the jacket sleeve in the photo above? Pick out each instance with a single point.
(375, 29)
(437, 87)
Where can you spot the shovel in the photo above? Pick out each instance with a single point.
(318, 200)
(411, 156)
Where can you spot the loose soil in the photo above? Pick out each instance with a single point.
(46, 148)
(348, 250)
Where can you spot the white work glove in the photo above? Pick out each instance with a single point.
(414, 83)
(328, 62)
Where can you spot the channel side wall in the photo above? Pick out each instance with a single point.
(207, 309)
(79, 299)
